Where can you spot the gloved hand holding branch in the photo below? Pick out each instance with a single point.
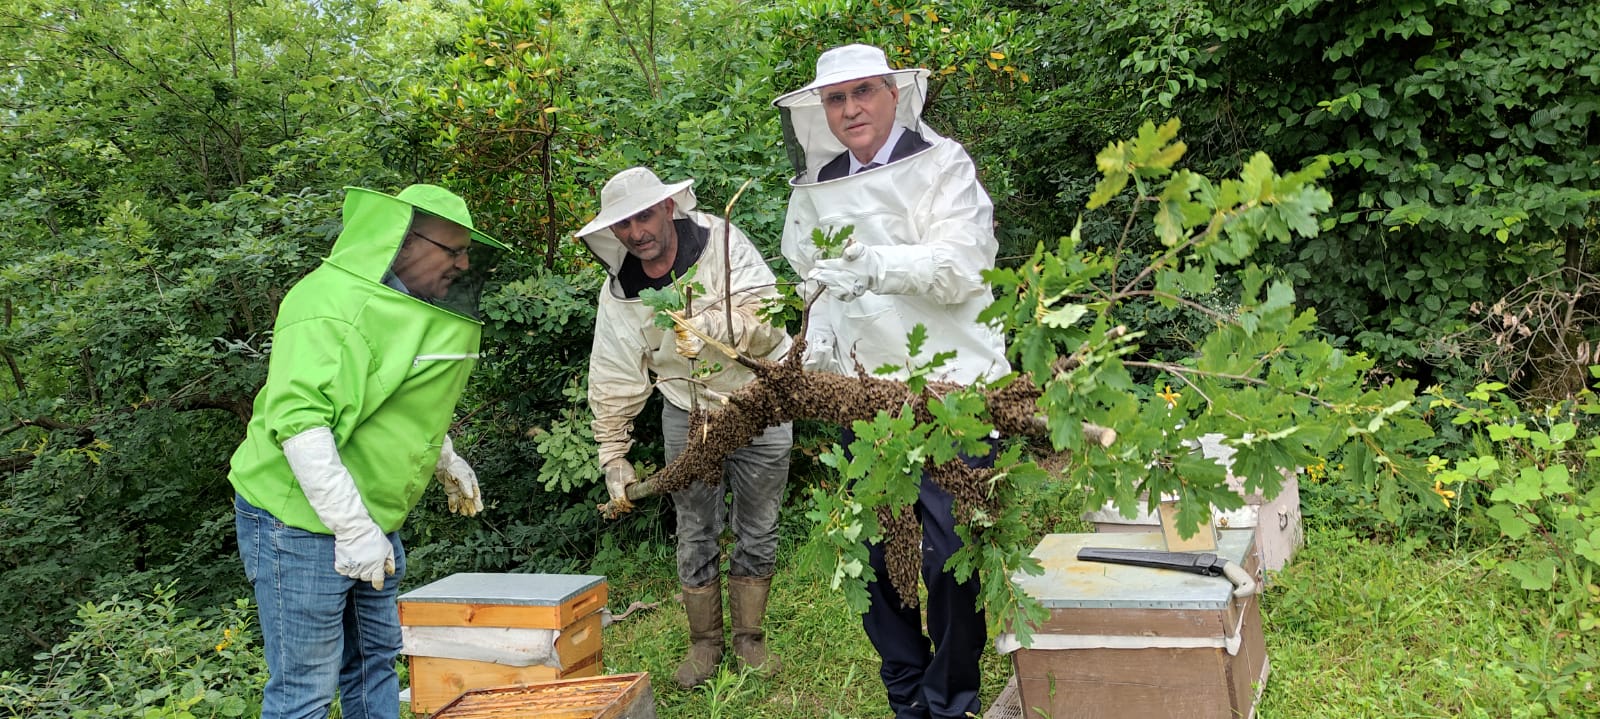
(619, 477)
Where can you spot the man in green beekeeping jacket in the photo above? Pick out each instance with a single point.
(370, 353)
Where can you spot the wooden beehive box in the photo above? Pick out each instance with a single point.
(480, 611)
(619, 696)
(1125, 642)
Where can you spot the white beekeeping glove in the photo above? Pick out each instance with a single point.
(885, 270)
(460, 482)
(360, 550)
(620, 474)
(711, 322)
(819, 353)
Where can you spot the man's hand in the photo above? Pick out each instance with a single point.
(460, 482)
(619, 474)
(857, 271)
(710, 323)
(360, 548)
(365, 554)
(819, 354)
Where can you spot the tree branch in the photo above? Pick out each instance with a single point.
(49, 423)
(1184, 373)
(783, 392)
(650, 79)
(11, 362)
(1191, 304)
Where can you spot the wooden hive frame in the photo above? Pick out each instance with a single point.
(607, 697)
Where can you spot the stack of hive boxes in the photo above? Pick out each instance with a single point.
(475, 631)
(1136, 642)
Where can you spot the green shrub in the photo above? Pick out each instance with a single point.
(1528, 476)
(147, 658)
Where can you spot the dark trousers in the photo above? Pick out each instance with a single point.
(938, 681)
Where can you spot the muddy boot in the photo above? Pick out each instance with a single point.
(704, 607)
(747, 605)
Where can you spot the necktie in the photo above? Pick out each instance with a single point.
(869, 166)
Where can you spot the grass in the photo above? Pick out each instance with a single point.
(1354, 629)
(1362, 629)
(829, 667)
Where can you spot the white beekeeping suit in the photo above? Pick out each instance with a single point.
(631, 355)
(926, 227)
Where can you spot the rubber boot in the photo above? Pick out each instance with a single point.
(747, 606)
(704, 607)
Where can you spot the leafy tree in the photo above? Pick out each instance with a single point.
(166, 173)
(1460, 137)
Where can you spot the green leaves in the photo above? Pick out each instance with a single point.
(1260, 379)
(1534, 575)
(566, 445)
(195, 664)
(836, 549)
(672, 298)
(831, 243)
(1151, 154)
(1541, 490)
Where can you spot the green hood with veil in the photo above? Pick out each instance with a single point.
(381, 368)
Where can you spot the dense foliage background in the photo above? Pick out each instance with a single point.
(167, 171)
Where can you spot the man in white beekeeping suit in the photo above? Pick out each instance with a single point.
(649, 235)
(923, 235)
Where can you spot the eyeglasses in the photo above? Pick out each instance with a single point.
(861, 94)
(453, 252)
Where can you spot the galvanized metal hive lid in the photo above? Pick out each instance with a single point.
(508, 589)
(1068, 583)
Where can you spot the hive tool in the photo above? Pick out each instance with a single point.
(1204, 563)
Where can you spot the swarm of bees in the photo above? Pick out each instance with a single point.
(783, 392)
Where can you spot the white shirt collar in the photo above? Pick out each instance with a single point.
(393, 280)
(884, 152)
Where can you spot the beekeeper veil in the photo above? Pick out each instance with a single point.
(808, 140)
(377, 226)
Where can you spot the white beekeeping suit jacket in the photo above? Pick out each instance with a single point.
(630, 355)
(932, 224)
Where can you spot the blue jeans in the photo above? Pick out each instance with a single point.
(757, 474)
(322, 631)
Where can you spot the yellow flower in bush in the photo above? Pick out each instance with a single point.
(1444, 494)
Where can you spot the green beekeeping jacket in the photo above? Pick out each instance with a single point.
(382, 369)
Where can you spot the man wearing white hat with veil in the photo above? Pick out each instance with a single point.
(923, 234)
(647, 235)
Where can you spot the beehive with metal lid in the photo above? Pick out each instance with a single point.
(473, 630)
(1127, 641)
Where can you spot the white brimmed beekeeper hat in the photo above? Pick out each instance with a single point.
(846, 63)
(634, 190)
